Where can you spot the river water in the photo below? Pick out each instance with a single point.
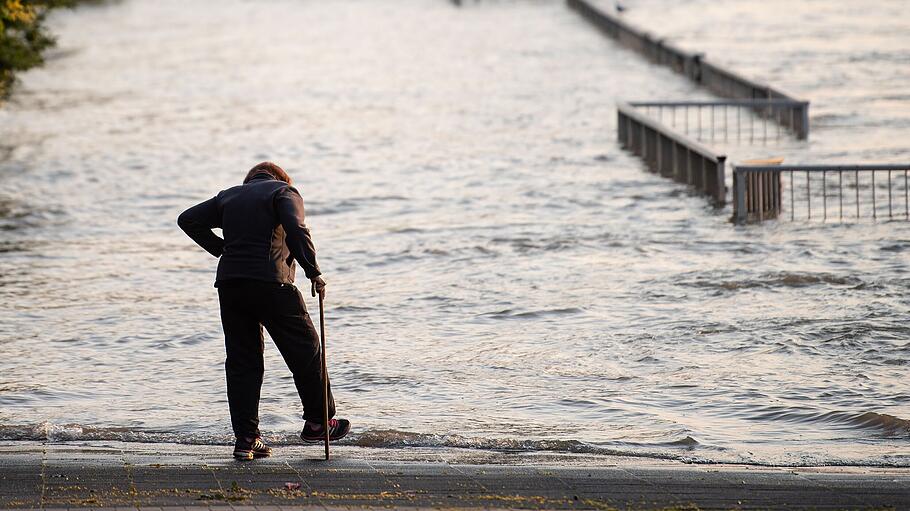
(502, 276)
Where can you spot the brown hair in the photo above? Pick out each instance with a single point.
(269, 168)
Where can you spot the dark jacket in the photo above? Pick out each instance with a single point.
(262, 223)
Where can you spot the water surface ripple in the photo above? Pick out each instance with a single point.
(502, 276)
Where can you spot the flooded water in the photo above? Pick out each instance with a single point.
(502, 276)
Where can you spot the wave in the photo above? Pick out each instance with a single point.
(772, 280)
(17, 215)
(887, 425)
(353, 204)
(513, 314)
(526, 245)
(373, 438)
(50, 432)
(684, 450)
(391, 438)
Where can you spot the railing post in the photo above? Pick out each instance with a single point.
(690, 172)
(778, 190)
(803, 132)
(675, 160)
(739, 197)
(703, 176)
(644, 144)
(621, 128)
(720, 177)
(659, 146)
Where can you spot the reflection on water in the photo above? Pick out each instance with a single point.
(502, 275)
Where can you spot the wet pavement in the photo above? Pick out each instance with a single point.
(110, 474)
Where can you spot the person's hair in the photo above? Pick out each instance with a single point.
(269, 168)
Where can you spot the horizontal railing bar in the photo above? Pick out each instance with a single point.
(669, 132)
(651, 46)
(722, 102)
(757, 86)
(820, 168)
(722, 82)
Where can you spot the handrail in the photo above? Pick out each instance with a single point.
(784, 113)
(722, 102)
(822, 168)
(629, 110)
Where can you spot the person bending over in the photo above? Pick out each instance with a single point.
(264, 233)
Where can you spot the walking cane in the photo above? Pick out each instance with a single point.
(325, 377)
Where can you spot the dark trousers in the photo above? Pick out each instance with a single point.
(247, 306)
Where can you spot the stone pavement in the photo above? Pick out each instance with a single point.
(152, 476)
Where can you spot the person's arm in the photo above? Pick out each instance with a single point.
(289, 205)
(198, 222)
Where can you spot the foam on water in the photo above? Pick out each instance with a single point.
(686, 449)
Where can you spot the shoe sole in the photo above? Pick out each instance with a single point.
(249, 455)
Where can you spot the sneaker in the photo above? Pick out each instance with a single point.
(338, 428)
(247, 449)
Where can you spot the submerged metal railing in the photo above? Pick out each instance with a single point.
(669, 135)
(693, 65)
(672, 154)
(759, 192)
(727, 119)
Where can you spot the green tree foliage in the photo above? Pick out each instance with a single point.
(22, 36)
